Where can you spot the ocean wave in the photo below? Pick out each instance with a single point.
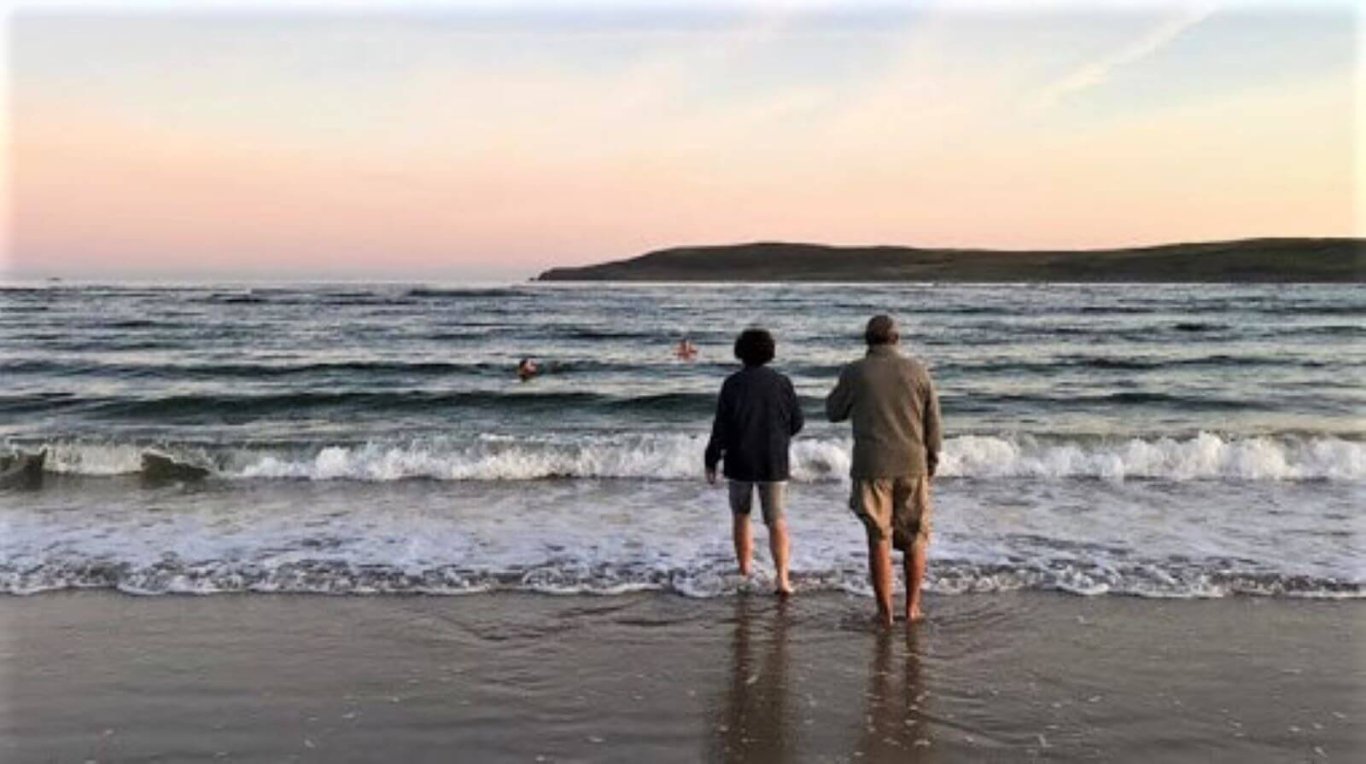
(236, 404)
(461, 293)
(493, 368)
(242, 407)
(173, 575)
(1198, 326)
(1205, 456)
(350, 370)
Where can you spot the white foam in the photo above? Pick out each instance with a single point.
(1205, 456)
(93, 458)
(609, 537)
(679, 457)
(946, 577)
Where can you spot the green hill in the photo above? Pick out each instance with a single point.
(1252, 260)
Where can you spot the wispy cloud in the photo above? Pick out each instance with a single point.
(1095, 73)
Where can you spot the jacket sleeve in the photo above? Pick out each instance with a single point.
(840, 402)
(794, 405)
(933, 427)
(716, 445)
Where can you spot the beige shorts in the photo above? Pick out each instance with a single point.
(772, 497)
(896, 507)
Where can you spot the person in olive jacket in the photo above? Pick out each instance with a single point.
(756, 416)
(891, 402)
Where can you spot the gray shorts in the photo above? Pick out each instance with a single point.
(772, 497)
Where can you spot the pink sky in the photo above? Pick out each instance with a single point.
(410, 145)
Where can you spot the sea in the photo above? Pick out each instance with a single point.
(1164, 441)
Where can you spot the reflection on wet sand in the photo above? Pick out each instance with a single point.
(752, 721)
(894, 725)
(771, 711)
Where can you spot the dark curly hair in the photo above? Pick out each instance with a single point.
(754, 346)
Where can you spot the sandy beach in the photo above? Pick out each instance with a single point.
(652, 677)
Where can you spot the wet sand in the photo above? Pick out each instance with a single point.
(651, 677)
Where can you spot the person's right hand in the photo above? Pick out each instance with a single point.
(711, 475)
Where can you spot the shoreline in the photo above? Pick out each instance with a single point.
(1187, 539)
(649, 676)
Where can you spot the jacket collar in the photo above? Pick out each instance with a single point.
(882, 351)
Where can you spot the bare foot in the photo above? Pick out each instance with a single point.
(783, 589)
(915, 616)
(884, 620)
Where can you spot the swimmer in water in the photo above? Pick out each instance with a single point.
(526, 369)
(686, 351)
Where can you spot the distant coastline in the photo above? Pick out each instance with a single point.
(1280, 260)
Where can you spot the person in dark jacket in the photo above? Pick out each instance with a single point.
(756, 416)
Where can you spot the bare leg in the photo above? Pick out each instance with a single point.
(915, 574)
(778, 544)
(744, 542)
(880, 570)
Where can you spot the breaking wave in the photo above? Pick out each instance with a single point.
(1205, 456)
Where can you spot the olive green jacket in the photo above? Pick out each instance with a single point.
(895, 414)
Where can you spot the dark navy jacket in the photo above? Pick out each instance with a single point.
(756, 416)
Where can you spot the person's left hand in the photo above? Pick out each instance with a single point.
(711, 475)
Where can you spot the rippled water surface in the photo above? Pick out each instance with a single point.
(1160, 440)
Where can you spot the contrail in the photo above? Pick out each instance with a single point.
(1097, 72)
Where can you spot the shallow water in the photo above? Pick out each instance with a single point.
(1182, 441)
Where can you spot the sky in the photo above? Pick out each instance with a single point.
(489, 140)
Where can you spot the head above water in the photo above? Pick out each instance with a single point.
(755, 346)
(881, 330)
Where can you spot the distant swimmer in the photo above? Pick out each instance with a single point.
(686, 351)
(526, 369)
